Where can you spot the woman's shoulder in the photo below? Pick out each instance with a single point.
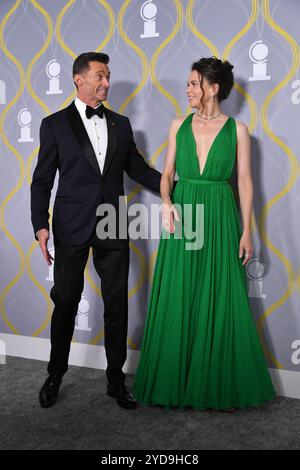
(177, 122)
(241, 127)
(242, 132)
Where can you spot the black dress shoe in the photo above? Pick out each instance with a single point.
(49, 391)
(122, 395)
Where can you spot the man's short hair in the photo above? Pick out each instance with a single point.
(81, 63)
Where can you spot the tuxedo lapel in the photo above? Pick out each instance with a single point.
(112, 139)
(82, 137)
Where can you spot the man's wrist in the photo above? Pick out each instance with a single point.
(37, 233)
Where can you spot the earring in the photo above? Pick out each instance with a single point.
(213, 97)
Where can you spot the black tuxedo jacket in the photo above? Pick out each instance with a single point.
(66, 147)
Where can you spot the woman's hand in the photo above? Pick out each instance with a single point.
(246, 247)
(169, 212)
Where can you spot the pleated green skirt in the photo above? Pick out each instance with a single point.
(200, 346)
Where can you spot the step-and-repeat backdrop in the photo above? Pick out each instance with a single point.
(152, 45)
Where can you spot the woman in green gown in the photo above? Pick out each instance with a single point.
(200, 346)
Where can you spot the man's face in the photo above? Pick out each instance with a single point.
(93, 85)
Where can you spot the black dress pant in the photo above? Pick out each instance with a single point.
(111, 261)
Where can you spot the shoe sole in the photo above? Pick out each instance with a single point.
(43, 405)
(113, 395)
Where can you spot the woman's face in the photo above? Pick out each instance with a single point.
(194, 91)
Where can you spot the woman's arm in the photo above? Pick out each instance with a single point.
(245, 187)
(167, 178)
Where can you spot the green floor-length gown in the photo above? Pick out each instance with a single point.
(200, 346)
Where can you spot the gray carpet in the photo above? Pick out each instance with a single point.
(86, 418)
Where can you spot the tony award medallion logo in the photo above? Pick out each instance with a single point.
(83, 315)
(258, 53)
(2, 92)
(50, 277)
(148, 13)
(53, 71)
(2, 353)
(255, 271)
(24, 120)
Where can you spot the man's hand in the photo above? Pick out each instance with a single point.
(43, 237)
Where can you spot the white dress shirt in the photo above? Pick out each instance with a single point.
(97, 132)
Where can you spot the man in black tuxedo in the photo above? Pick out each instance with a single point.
(91, 147)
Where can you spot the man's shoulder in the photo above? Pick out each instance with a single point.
(117, 116)
(57, 116)
(60, 115)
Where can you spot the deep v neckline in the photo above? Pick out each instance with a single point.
(211, 146)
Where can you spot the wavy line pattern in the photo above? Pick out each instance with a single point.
(149, 67)
(20, 162)
(292, 160)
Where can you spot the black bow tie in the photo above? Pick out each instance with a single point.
(89, 111)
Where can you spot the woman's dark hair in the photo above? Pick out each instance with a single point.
(81, 63)
(216, 71)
